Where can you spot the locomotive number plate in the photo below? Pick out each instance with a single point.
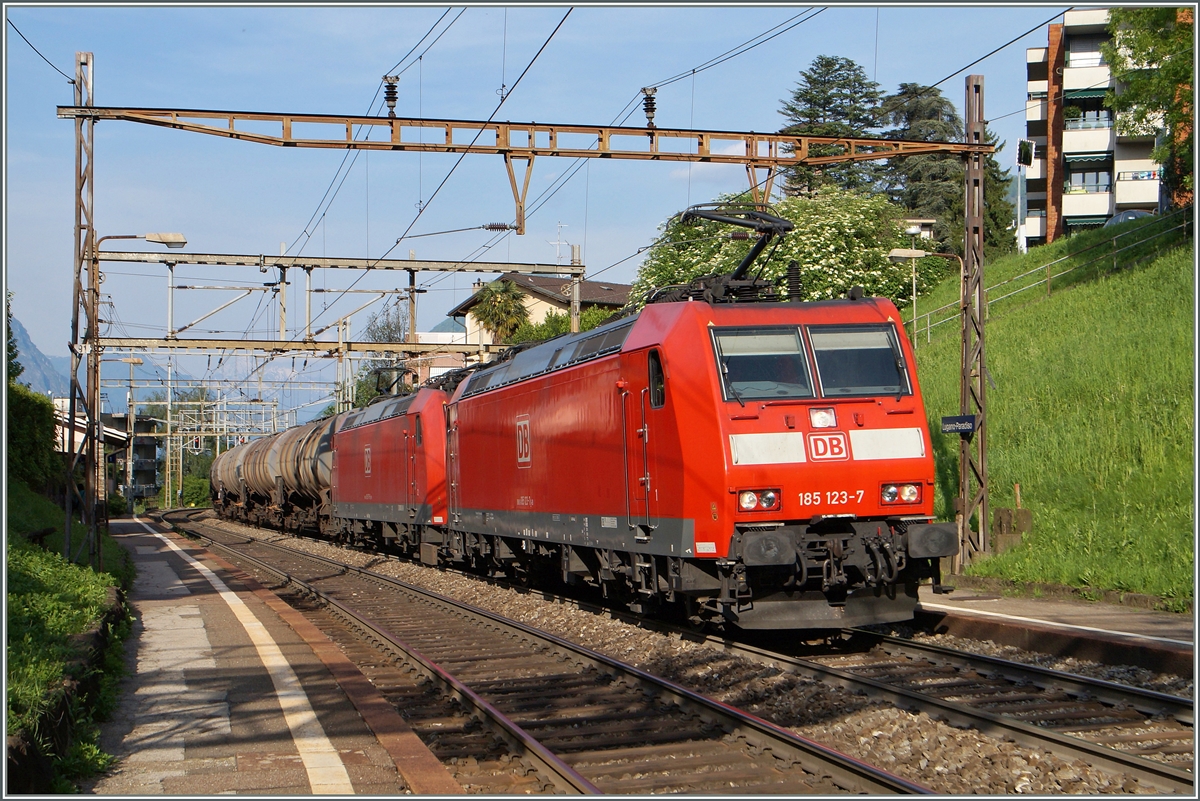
(831, 497)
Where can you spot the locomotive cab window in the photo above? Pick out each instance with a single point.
(658, 382)
(859, 360)
(761, 363)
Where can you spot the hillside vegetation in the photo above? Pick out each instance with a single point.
(48, 602)
(1090, 411)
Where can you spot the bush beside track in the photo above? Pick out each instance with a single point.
(65, 626)
(1091, 413)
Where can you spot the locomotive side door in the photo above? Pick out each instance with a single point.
(405, 469)
(414, 444)
(453, 488)
(642, 399)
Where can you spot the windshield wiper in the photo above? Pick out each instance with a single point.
(732, 388)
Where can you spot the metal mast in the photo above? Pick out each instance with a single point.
(87, 302)
(972, 487)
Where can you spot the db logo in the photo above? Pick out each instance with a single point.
(828, 447)
(524, 458)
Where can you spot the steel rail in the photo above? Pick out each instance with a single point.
(848, 772)
(563, 775)
(1162, 777)
(1145, 701)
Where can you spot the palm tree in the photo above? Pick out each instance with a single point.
(500, 309)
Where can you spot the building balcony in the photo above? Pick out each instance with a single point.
(1036, 170)
(1088, 19)
(1078, 203)
(1088, 140)
(1035, 110)
(1036, 87)
(1137, 191)
(1035, 225)
(1090, 77)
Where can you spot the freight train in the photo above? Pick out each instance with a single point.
(723, 453)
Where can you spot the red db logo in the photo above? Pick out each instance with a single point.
(828, 447)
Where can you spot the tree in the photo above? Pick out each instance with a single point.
(832, 98)
(999, 214)
(927, 185)
(500, 309)
(13, 366)
(389, 324)
(558, 323)
(841, 239)
(1151, 59)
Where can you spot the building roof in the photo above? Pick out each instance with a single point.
(449, 326)
(558, 292)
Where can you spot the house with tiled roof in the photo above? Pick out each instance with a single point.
(543, 294)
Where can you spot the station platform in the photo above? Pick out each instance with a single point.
(1159, 641)
(230, 691)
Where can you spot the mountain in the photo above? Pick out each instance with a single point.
(40, 373)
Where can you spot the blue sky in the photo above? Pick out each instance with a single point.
(238, 197)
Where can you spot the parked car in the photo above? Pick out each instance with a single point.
(1126, 216)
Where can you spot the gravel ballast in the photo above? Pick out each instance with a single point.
(949, 760)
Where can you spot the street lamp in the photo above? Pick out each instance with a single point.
(912, 254)
(131, 428)
(94, 467)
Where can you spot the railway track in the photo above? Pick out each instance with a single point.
(1113, 727)
(1124, 729)
(564, 718)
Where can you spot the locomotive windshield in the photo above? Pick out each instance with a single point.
(762, 363)
(858, 360)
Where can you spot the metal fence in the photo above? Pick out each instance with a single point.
(1157, 233)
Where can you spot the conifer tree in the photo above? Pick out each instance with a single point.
(926, 185)
(832, 98)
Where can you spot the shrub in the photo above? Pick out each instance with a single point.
(841, 239)
(116, 505)
(195, 491)
(31, 455)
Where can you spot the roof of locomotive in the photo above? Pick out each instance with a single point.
(567, 350)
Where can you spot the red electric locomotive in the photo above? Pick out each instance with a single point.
(388, 479)
(765, 464)
(761, 463)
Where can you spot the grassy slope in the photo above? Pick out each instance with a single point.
(1092, 415)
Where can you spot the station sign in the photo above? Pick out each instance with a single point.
(963, 424)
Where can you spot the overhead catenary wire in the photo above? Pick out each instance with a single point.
(318, 215)
(462, 156)
(70, 80)
(623, 115)
(442, 184)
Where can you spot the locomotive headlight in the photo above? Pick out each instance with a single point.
(822, 418)
(900, 493)
(758, 500)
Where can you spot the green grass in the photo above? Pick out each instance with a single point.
(1090, 253)
(1091, 414)
(48, 601)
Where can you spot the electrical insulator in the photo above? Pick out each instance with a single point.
(740, 235)
(498, 227)
(648, 104)
(389, 93)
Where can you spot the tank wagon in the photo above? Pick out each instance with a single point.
(723, 453)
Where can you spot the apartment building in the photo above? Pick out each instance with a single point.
(1083, 170)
